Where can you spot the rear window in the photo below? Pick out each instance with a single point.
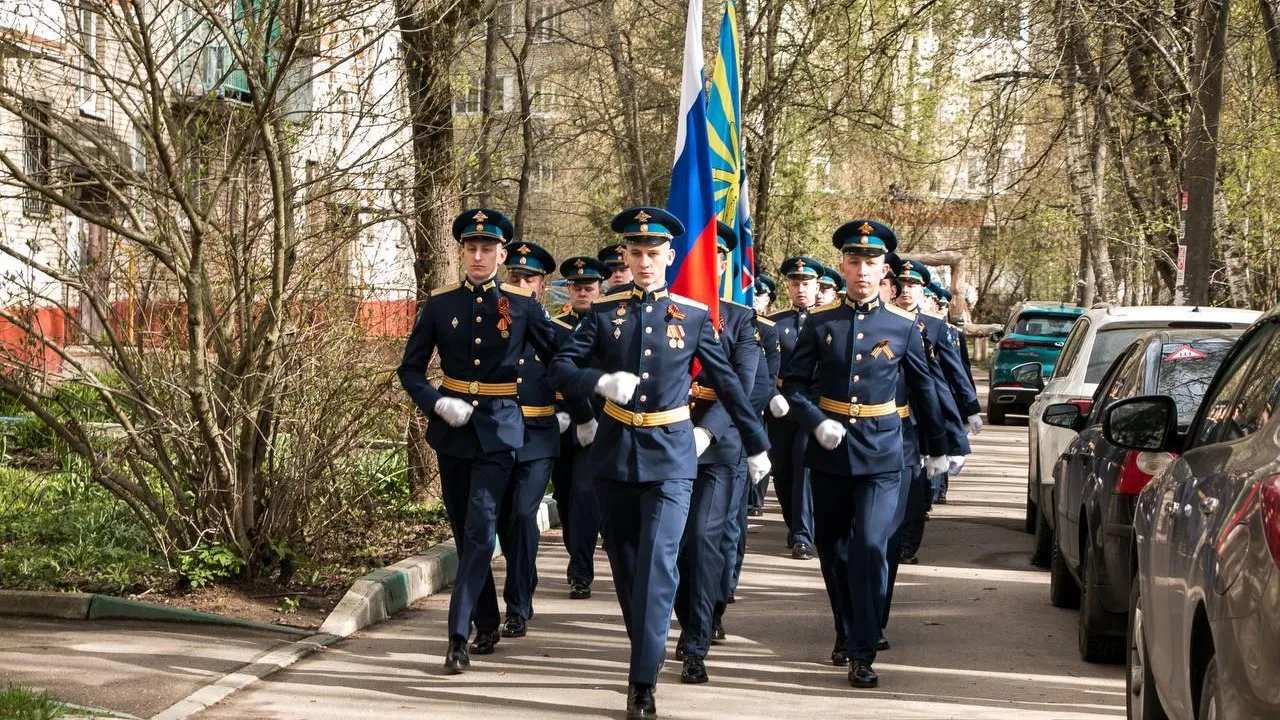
(1045, 325)
(1185, 371)
(1113, 339)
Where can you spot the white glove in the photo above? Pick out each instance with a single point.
(453, 411)
(758, 466)
(587, 432)
(778, 406)
(829, 433)
(935, 465)
(975, 424)
(955, 463)
(618, 386)
(701, 440)
(562, 418)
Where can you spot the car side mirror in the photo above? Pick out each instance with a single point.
(997, 334)
(1147, 423)
(1064, 415)
(1029, 375)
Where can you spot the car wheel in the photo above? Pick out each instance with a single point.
(1140, 681)
(1095, 647)
(995, 413)
(1063, 591)
(1044, 541)
(1210, 705)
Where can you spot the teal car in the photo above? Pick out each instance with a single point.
(1034, 334)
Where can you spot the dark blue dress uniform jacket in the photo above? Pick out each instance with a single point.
(851, 353)
(787, 324)
(627, 330)
(956, 396)
(770, 363)
(542, 432)
(738, 337)
(465, 323)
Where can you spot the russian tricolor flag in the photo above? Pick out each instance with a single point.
(691, 197)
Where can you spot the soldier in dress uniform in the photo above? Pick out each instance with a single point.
(575, 499)
(619, 273)
(829, 285)
(957, 399)
(709, 545)
(841, 381)
(527, 267)
(636, 348)
(481, 329)
(764, 389)
(786, 438)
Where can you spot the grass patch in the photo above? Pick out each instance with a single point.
(18, 703)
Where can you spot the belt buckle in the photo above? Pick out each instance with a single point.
(637, 419)
(473, 388)
(854, 409)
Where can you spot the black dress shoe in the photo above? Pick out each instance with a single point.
(679, 648)
(456, 660)
(694, 672)
(882, 644)
(791, 542)
(717, 631)
(579, 590)
(840, 653)
(802, 551)
(731, 599)
(754, 511)
(861, 675)
(909, 558)
(640, 705)
(486, 641)
(515, 626)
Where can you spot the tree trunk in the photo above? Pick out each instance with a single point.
(765, 160)
(488, 94)
(526, 122)
(1200, 170)
(636, 175)
(1271, 26)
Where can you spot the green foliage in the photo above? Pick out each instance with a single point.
(207, 564)
(18, 703)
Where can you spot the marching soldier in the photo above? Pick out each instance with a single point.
(957, 399)
(481, 329)
(841, 381)
(575, 501)
(636, 348)
(764, 389)
(619, 273)
(787, 439)
(709, 546)
(527, 268)
(829, 285)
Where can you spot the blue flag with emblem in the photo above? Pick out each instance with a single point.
(728, 166)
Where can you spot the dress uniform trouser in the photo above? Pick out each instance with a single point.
(576, 505)
(702, 555)
(519, 534)
(853, 520)
(734, 545)
(473, 490)
(787, 444)
(642, 523)
(919, 503)
(910, 463)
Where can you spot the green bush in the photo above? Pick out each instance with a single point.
(17, 703)
(207, 564)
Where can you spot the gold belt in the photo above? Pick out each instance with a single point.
(904, 411)
(646, 419)
(701, 392)
(853, 409)
(538, 410)
(478, 388)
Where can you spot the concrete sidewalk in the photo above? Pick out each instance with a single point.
(138, 668)
(973, 632)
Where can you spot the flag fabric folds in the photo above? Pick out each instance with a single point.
(693, 274)
(728, 153)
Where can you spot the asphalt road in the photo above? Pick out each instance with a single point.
(973, 636)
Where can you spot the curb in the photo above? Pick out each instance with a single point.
(90, 606)
(386, 591)
(371, 599)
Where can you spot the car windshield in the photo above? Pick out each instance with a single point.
(1186, 370)
(1044, 325)
(1108, 345)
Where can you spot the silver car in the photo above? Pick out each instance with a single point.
(1204, 617)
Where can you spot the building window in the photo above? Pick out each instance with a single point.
(88, 59)
(546, 97)
(467, 102)
(546, 22)
(544, 174)
(37, 157)
(506, 18)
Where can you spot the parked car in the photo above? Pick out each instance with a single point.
(1205, 604)
(1035, 333)
(1097, 483)
(1094, 342)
